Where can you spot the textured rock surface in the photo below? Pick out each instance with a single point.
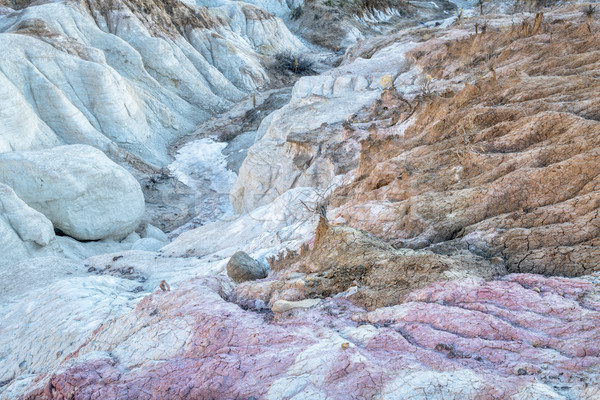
(132, 74)
(82, 293)
(194, 190)
(459, 176)
(285, 223)
(524, 336)
(503, 163)
(24, 232)
(303, 143)
(50, 303)
(78, 188)
(368, 270)
(337, 25)
(241, 268)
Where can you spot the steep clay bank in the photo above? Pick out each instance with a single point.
(502, 162)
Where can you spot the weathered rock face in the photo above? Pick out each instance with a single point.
(285, 223)
(83, 193)
(82, 294)
(524, 336)
(354, 313)
(505, 166)
(50, 303)
(241, 268)
(128, 76)
(306, 142)
(24, 232)
(340, 24)
(368, 270)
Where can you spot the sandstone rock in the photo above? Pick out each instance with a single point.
(342, 25)
(29, 224)
(496, 163)
(442, 209)
(241, 267)
(285, 223)
(467, 339)
(299, 145)
(370, 269)
(76, 296)
(78, 188)
(79, 300)
(207, 168)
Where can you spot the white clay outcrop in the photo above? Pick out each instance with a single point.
(83, 193)
(132, 75)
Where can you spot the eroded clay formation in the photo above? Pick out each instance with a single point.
(425, 213)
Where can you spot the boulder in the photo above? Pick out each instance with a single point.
(83, 193)
(241, 267)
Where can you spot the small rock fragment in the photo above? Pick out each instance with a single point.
(283, 305)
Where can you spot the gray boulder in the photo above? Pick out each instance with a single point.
(241, 268)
